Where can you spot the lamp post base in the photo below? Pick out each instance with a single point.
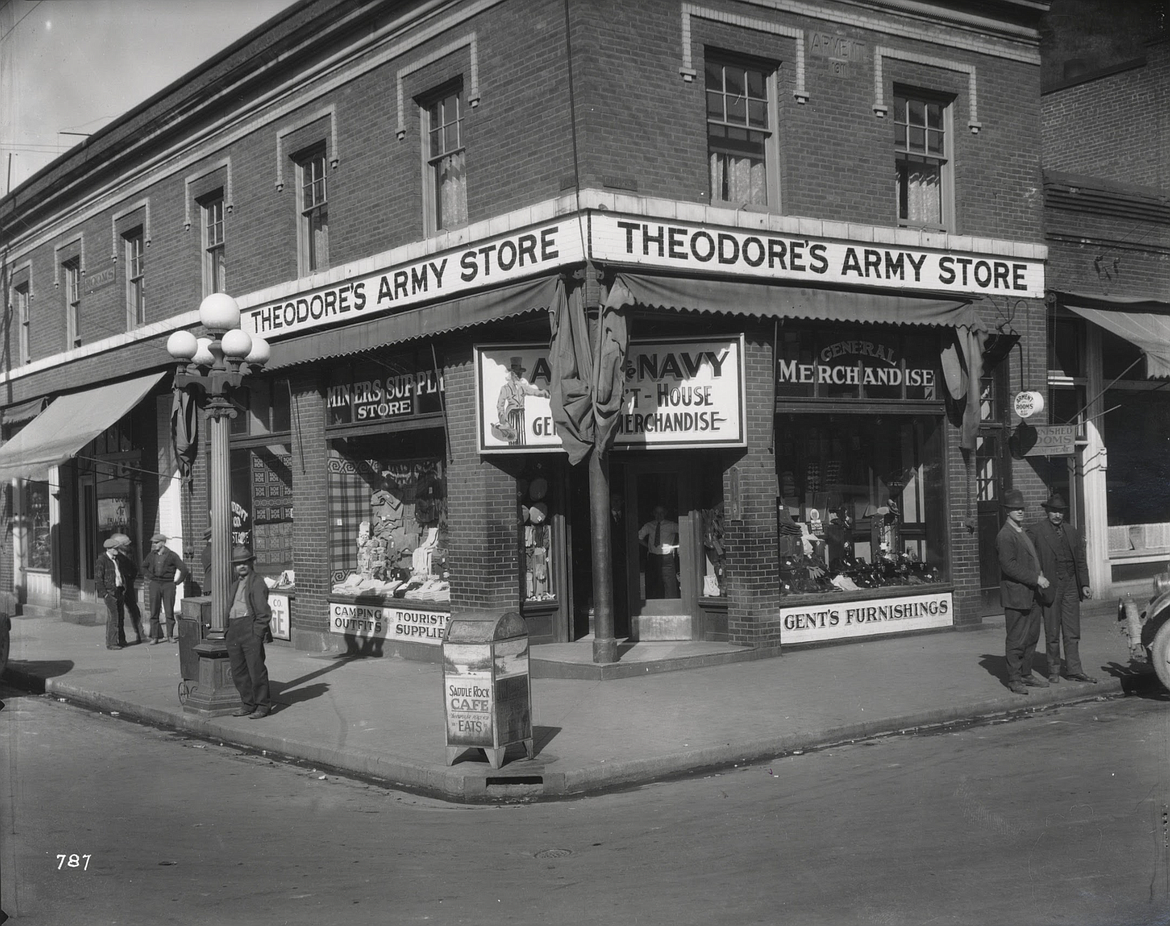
(215, 693)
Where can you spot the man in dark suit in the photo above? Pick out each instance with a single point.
(110, 586)
(249, 618)
(1020, 580)
(1062, 556)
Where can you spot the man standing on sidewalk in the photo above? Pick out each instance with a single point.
(1021, 581)
(110, 585)
(160, 567)
(1062, 556)
(249, 618)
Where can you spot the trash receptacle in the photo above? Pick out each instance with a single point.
(194, 621)
(487, 695)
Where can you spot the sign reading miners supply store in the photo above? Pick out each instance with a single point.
(693, 248)
(395, 387)
(679, 393)
(442, 275)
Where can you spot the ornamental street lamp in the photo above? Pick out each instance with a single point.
(209, 369)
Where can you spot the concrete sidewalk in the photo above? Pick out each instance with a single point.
(383, 717)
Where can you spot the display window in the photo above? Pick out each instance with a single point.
(1138, 478)
(36, 511)
(262, 508)
(862, 501)
(537, 509)
(711, 518)
(388, 516)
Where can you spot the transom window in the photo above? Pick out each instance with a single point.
(135, 279)
(214, 256)
(72, 269)
(922, 161)
(739, 131)
(313, 238)
(446, 162)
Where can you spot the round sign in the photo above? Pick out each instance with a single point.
(1028, 404)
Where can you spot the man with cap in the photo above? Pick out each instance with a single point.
(249, 618)
(110, 583)
(1021, 580)
(130, 574)
(1062, 556)
(160, 567)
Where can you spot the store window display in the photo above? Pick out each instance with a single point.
(861, 502)
(388, 517)
(534, 491)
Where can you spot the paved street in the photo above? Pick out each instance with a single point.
(1056, 817)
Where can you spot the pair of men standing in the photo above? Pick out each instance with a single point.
(114, 577)
(1043, 577)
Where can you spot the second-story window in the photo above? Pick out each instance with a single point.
(214, 259)
(922, 162)
(135, 279)
(313, 206)
(72, 272)
(740, 133)
(21, 313)
(445, 201)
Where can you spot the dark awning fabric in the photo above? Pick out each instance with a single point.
(1142, 322)
(67, 425)
(23, 411)
(765, 300)
(421, 322)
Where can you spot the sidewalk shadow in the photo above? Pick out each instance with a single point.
(541, 736)
(31, 674)
(363, 647)
(1138, 680)
(284, 693)
(996, 667)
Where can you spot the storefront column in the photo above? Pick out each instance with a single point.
(1093, 463)
(310, 608)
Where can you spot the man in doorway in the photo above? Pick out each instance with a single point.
(1021, 579)
(1062, 556)
(660, 537)
(161, 567)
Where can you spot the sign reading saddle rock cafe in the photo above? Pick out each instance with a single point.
(679, 393)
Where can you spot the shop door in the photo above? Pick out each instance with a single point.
(660, 552)
(87, 531)
(993, 471)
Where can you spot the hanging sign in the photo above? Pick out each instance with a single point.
(687, 392)
(1054, 440)
(1027, 404)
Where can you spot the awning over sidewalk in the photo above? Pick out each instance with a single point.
(763, 300)
(424, 321)
(67, 425)
(1144, 323)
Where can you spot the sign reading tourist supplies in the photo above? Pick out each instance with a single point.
(840, 620)
(388, 623)
(686, 392)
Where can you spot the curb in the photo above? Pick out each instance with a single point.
(480, 784)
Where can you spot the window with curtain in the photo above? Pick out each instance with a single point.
(214, 261)
(739, 130)
(445, 154)
(921, 161)
(313, 206)
(135, 279)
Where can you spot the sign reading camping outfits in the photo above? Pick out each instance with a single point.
(445, 274)
(681, 393)
(765, 255)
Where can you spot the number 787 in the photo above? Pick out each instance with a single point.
(73, 861)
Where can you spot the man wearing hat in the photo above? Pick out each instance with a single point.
(1020, 580)
(160, 567)
(249, 618)
(510, 404)
(130, 574)
(111, 583)
(1062, 556)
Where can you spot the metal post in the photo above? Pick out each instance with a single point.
(604, 642)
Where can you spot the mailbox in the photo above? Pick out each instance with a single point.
(487, 694)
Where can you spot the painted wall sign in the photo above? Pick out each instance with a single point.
(384, 397)
(278, 604)
(441, 275)
(854, 362)
(99, 280)
(693, 248)
(389, 623)
(468, 693)
(843, 619)
(679, 393)
(1054, 440)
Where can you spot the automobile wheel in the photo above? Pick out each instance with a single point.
(1160, 654)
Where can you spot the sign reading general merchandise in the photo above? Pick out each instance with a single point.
(388, 623)
(693, 248)
(840, 620)
(679, 393)
(442, 275)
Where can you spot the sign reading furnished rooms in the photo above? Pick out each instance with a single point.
(679, 393)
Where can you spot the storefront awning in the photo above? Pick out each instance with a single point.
(425, 321)
(67, 425)
(774, 301)
(1132, 320)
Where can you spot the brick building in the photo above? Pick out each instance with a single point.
(819, 224)
(1107, 226)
